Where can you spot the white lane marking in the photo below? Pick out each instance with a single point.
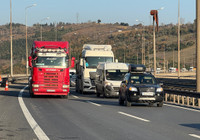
(135, 117)
(183, 108)
(36, 128)
(75, 96)
(196, 136)
(93, 103)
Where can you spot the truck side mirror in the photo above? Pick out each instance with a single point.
(72, 62)
(30, 61)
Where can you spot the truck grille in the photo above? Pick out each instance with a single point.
(51, 80)
(116, 89)
(92, 82)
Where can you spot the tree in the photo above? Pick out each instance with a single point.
(98, 21)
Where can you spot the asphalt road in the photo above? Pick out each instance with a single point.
(86, 117)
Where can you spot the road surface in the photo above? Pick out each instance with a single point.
(86, 117)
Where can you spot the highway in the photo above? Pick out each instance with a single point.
(86, 117)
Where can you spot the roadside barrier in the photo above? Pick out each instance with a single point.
(187, 98)
(6, 87)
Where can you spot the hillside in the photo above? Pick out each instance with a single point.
(123, 38)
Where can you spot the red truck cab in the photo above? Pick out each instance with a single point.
(49, 64)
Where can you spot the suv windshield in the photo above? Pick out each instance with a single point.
(116, 75)
(142, 79)
(50, 61)
(92, 62)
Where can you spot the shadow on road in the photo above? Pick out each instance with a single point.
(192, 125)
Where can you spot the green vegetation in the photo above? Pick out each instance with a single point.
(124, 39)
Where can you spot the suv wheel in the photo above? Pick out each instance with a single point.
(160, 104)
(127, 103)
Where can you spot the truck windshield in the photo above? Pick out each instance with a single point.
(92, 62)
(51, 62)
(115, 75)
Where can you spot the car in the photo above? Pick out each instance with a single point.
(73, 80)
(108, 78)
(140, 87)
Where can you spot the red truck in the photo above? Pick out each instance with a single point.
(49, 65)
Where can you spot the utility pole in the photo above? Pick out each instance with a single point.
(154, 47)
(179, 53)
(164, 59)
(56, 32)
(11, 51)
(198, 45)
(173, 58)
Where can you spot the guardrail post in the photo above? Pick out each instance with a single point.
(166, 97)
(188, 101)
(183, 100)
(199, 102)
(193, 101)
(178, 99)
(174, 99)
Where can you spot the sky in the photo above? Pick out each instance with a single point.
(108, 11)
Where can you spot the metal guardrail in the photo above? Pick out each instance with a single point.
(13, 78)
(190, 99)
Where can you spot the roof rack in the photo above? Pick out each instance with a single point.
(133, 68)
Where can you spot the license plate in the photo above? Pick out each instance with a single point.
(148, 93)
(50, 90)
(147, 99)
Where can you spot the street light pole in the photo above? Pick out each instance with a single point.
(154, 13)
(41, 27)
(179, 39)
(143, 43)
(27, 37)
(154, 47)
(11, 51)
(198, 45)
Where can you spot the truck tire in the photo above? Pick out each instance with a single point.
(97, 93)
(65, 96)
(31, 92)
(121, 102)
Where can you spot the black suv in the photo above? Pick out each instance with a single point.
(139, 86)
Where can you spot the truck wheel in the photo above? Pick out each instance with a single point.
(31, 92)
(98, 94)
(127, 103)
(160, 104)
(121, 102)
(151, 104)
(65, 96)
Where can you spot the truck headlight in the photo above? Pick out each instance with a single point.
(35, 85)
(159, 89)
(108, 84)
(133, 89)
(65, 86)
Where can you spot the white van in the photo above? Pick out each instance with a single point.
(108, 78)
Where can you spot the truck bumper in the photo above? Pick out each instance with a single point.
(89, 86)
(39, 91)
